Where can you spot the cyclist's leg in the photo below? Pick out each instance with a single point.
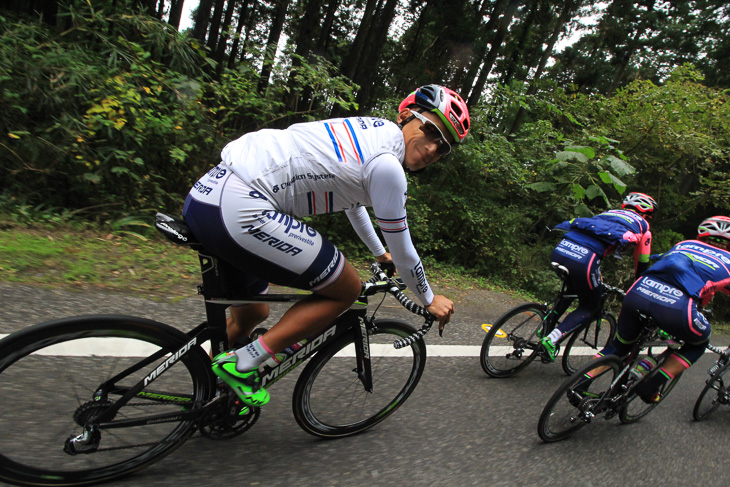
(627, 332)
(243, 319)
(585, 278)
(243, 227)
(682, 320)
(313, 313)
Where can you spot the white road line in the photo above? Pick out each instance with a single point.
(109, 347)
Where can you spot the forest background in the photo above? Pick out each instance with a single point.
(109, 113)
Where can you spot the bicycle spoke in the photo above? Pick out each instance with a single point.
(49, 395)
(578, 401)
(329, 398)
(712, 396)
(511, 343)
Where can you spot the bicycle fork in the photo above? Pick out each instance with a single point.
(362, 354)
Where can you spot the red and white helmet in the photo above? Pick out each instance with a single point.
(640, 202)
(445, 103)
(715, 226)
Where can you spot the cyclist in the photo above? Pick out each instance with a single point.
(689, 273)
(589, 240)
(247, 211)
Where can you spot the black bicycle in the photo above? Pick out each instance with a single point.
(715, 392)
(513, 341)
(612, 391)
(92, 398)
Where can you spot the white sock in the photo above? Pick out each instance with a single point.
(252, 355)
(555, 335)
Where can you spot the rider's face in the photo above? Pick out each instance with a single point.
(424, 141)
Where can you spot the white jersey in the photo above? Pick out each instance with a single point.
(333, 165)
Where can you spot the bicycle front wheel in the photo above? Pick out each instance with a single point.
(329, 399)
(511, 343)
(578, 400)
(635, 408)
(586, 341)
(712, 395)
(58, 376)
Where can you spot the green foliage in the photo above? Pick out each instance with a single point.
(114, 118)
(106, 128)
(98, 122)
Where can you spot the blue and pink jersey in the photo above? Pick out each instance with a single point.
(610, 231)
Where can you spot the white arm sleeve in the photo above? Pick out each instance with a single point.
(360, 221)
(388, 187)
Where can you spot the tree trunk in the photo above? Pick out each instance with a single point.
(325, 33)
(497, 41)
(631, 48)
(148, 6)
(220, 52)
(201, 20)
(516, 52)
(568, 9)
(353, 58)
(215, 25)
(306, 35)
(487, 32)
(237, 38)
(277, 26)
(368, 70)
(250, 23)
(420, 24)
(176, 9)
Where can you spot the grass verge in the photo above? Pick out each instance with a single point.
(64, 256)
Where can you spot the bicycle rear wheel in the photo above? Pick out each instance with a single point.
(586, 341)
(55, 378)
(635, 408)
(511, 343)
(713, 394)
(329, 399)
(575, 404)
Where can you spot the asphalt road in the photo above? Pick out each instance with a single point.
(459, 427)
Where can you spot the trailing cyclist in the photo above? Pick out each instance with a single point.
(687, 275)
(589, 240)
(246, 211)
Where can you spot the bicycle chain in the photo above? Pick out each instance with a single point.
(196, 433)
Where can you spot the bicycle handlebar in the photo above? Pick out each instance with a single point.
(717, 350)
(395, 288)
(613, 290)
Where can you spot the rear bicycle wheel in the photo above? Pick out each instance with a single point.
(577, 402)
(329, 399)
(586, 341)
(635, 408)
(57, 377)
(713, 394)
(511, 343)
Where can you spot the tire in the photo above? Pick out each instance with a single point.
(585, 342)
(511, 343)
(49, 379)
(713, 394)
(566, 412)
(635, 408)
(329, 400)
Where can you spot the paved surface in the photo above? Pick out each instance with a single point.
(459, 427)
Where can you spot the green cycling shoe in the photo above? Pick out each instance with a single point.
(246, 385)
(552, 350)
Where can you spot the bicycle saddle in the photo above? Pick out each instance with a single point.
(560, 270)
(175, 229)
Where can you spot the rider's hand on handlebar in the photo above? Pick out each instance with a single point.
(442, 308)
(386, 264)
